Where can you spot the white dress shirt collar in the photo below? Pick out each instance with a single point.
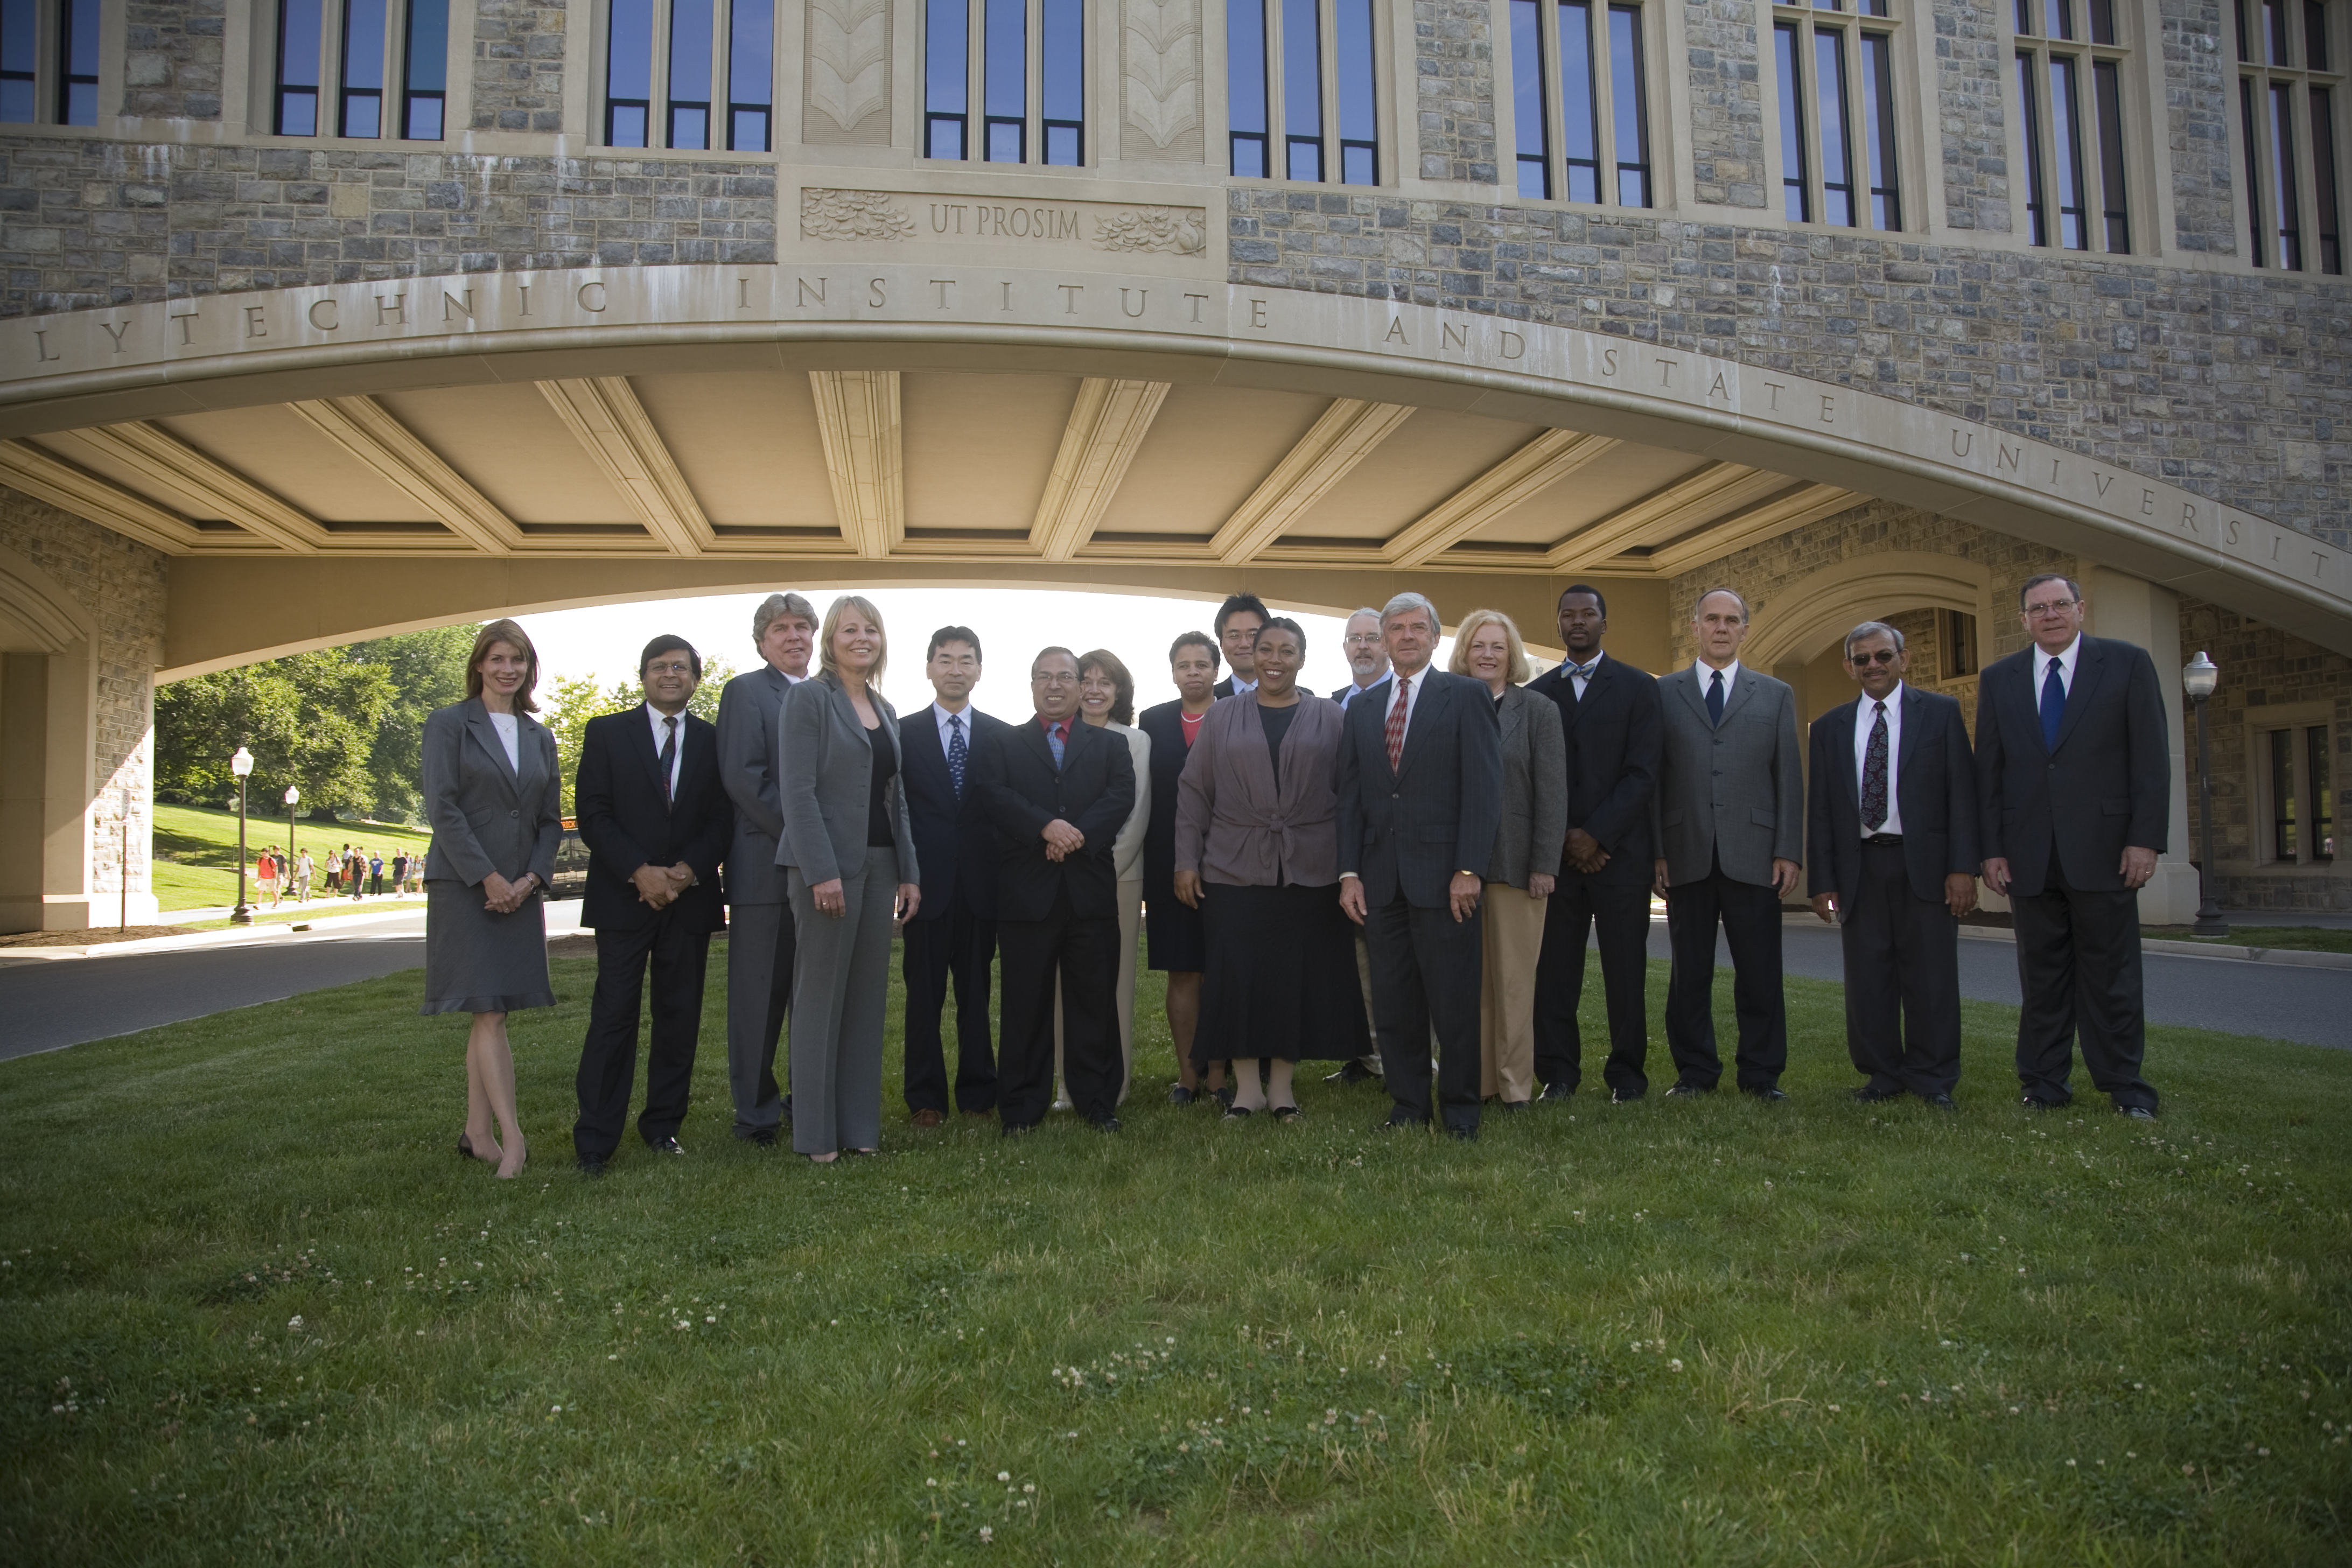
(1706, 677)
(940, 716)
(2066, 659)
(1240, 686)
(661, 732)
(1865, 714)
(1420, 679)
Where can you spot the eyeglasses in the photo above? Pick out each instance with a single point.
(672, 668)
(1053, 678)
(1884, 656)
(2055, 607)
(1367, 639)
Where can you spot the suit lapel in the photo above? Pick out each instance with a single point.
(1685, 680)
(1743, 691)
(1514, 715)
(1845, 725)
(641, 740)
(1910, 709)
(1433, 700)
(1032, 740)
(485, 735)
(2090, 666)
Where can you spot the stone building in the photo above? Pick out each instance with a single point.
(388, 314)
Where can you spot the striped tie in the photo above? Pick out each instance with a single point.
(1396, 723)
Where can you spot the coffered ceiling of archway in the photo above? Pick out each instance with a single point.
(930, 465)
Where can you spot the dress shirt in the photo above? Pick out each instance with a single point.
(940, 717)
(1707, 675)
(1863, 717)
(1355, 691)
(510, 737)
(677, 757)
(2065, 661)
(1240, 686)
(1581, 681)
(1411, 699)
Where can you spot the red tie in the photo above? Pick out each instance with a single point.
(1396, 724)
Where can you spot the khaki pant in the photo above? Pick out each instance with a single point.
(1507, 1003)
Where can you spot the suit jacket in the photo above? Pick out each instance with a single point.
(626, 824)
(1408, 829)
(1164, 724)
(1093, 791)
(1614, 736)
(2106, 784)
(955, 841)
(1733, 794)
(1233, 825)
(749, 709)
(825, 774)
(1534, 828)
(1935, 787)
(488, 816)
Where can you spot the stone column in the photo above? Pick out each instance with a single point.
(2133, 610)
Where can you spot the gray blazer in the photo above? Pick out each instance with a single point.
(1233, 827)
(1534, 829)
(486, 816)
(748, 730)
(1734, 793)
(825, 773)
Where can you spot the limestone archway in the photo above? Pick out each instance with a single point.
(47, 698)
(1815, 611)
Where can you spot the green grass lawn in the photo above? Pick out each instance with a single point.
(256, 1309)
(195, 850)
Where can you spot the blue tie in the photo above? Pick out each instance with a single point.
(1054, 738)
(1582, 671)
(958, 755)
(1715, 699)
(2054, 707)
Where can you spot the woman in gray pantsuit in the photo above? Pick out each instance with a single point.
(850, 874)
(494, 794)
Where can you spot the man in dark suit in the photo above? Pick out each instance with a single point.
(1420, 785)
(2073, 785)
(759, 940)
(1237, 623)
(953, 933)
(1057, 789)
(1729, 821)
(656, 821)
(1891, 856)
(1609, 715)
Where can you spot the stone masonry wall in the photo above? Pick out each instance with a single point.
(2199, 85)
(1454, 73)
(1970, 79)
(171, 59)
(120, 583)
(519, 64)
(1726, 102)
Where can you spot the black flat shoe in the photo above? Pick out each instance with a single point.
(1236, 1113)
(1180, 1095)
(1287, 1113)
(1511, 1107)
(1939, 1101)
(1868, 1095)
(466, 1145)
(1687, 1091)
(1558, 1091)
(1765, 1093)
(2137, 1112)
(1398, 1119)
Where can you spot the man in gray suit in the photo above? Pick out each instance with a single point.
(1731, 828)
(759, 923)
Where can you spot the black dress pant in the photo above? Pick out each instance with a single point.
(958, 946)
(1622, 914)
(1750, 917)
(608, 1058)
(2078, 965)
(1427, 968)
(1086, 953)
(1902, 980)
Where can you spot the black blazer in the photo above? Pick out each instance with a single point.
(625, 825)
(1165, 725)
(956, 844)
(2107, 784)
(1615, 739)
(1092, 790)
(1935, 789)
(1436, 814)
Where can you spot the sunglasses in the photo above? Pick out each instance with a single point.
(1884, 656)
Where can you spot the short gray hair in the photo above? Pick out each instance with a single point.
(1411, 600)
(777, 606)
(1700, 603)
(1366, 610)
(1869, 629)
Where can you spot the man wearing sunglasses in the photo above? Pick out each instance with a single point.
(1891, 857)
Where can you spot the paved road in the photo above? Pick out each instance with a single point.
(68, 1000)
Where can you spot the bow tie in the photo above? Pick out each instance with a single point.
(1581, 671)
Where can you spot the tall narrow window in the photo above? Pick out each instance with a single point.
(1527, 98)
(1021, 64)
(2282, 782)
(629, 75)
(363, 96)
(2286, 119)
(78, 62)
(1879, 131)
(1795, 190)
(296, 109)
(20, 61)
(946, 79)
(691, 38)
(751, 74)
(2322, 792)
(1579, 118)
(424, 72)
(1839, 156)
(1004, 81)
(1598, 54)
(2071, 79)
(1302, 91)
(1246, 93)
(1301, 96)
(1837, 153)
(1630, 119)
(1063, 91)
(1360, 133)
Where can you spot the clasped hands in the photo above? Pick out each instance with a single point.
(660, 884)
(502, 897)
(1062, 840)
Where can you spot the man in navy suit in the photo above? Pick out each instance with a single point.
(1237, 623)
(1057, 788)
(2073, 785)
(1609, 717)
(656, 821)
(1891, 857)
(1419, 781)
(953, 934)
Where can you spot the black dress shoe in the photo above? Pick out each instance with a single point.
(1353, 1072)
(591, 1164)
(2137, 1112)
(1870, 1094)
(1765, 1092)
(664, 1146)
(1103, 1123)
(1558, 1091)
(2035, 1103)
(1223, 1097)
(1627, 1096)
(1939, 1100)
(1180, 1095)
(763, 1136)
(1512, 1106)
(1401, 1118)
(1462, 1134)
(1686, 1090)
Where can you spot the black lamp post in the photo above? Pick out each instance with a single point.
(293, 796)
(2199, 678)
(241, 766)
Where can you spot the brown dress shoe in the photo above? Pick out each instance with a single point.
(927, 1117)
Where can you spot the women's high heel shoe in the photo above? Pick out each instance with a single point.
(466, 1145)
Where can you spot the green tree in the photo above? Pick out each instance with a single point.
(427, 671)
(310, 720)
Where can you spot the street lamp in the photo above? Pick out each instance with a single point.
(293, 795)
(241, 766)
(2199, 678)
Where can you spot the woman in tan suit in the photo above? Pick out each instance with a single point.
(1527, 845)
(1257, 850)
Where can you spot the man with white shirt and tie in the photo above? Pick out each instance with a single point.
(1237, 623)
(1891, 857)
(952, 937)
(2073, 793)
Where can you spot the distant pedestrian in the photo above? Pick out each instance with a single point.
(334, 884)
(265, 878)
(399, 873)
(303, 871)
(375, 875)
(354, 874)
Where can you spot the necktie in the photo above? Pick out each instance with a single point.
(956, 752)
(1057, 738)
(1715, 698)
(2054, 707)
(668, 757)
(1396, 723)
(1582, 671)
(1873, 773)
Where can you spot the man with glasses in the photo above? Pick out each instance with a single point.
(2073, 788)
(1891, 857)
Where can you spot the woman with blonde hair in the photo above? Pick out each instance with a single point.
(849, 858)
(1525, 861)
(494, 794)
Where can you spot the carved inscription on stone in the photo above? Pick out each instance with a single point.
(848, 76)
(854, 214)
(926, 217)
(1163, 80)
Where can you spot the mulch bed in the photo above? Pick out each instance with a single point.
(89, 937)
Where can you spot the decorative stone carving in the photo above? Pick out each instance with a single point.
(1178, 231)
(848, 72)
(852, 215)
(1163, 80)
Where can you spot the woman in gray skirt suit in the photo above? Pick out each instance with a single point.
(495, 798)
(849, 859)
